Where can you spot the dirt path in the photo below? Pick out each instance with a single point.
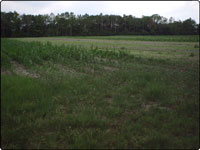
(19, 69)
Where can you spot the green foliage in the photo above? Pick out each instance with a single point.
(191, 54)
(69, 24)
(158, 141)
(196, 46)
(155, 91)
(22, 105)
(36, 52)
(98, 98)
(5, 60)
(30, 96)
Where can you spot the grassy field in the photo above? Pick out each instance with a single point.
(163, 38)
(99, 92)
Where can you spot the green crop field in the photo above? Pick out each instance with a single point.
(100, 92)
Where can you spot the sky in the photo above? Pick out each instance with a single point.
(180, 10)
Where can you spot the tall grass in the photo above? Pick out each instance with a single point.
(129, 105)
(24, 100)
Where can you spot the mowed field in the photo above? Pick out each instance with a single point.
(100, 92)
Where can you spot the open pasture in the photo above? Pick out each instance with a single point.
(100, 92)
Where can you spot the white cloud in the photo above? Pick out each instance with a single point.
(178, 9)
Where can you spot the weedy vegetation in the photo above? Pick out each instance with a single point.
(82, 94)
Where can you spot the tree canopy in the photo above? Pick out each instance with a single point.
(69, 24)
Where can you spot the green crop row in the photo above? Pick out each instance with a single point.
(29, 53)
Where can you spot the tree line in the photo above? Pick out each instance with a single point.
(69, 24)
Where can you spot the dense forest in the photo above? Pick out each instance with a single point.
(69, 24)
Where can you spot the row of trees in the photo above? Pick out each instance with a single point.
(65, 24)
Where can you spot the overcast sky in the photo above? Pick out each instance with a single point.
(180, 10)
